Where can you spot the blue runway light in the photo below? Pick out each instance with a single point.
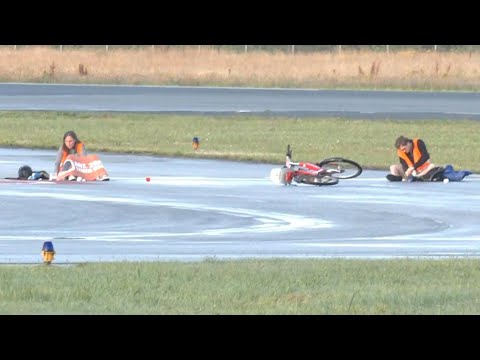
(48, 246)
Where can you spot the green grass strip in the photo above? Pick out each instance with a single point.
(246, 138)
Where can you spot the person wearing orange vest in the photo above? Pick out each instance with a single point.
(414, 158)
(71, 145)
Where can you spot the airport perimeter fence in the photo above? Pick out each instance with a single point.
(271, 48)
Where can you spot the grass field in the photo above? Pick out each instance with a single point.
(195, 65)
(321, 287)
(246, 138)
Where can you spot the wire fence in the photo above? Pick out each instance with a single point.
(271, 48)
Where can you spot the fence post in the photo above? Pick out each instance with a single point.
(388, 49)
(293, 49)
(61, 47)
(435, 48)
(340, 49)
(106, 48)
(246, 48)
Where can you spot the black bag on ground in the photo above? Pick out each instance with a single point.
(25, 172)
(435, 174)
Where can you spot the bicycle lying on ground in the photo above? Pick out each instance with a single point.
(326, 172)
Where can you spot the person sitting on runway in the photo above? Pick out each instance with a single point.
(71, 145)
(414, 160)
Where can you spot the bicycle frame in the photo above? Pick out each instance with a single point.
(325, 172)
(307, 168)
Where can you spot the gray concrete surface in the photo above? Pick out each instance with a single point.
(195, 209)
(295, 102)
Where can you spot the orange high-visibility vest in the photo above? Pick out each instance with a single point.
(78, 149)
(416, 156)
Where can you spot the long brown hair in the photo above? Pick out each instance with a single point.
(74, 137)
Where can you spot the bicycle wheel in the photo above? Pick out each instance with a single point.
(347, 169)
(316, 180)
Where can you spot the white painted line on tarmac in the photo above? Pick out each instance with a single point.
(269, 221)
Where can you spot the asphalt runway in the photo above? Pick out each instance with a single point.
(195, 209)
(210, 100)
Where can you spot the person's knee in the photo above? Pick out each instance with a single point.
(67, 166)
(396, 170)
